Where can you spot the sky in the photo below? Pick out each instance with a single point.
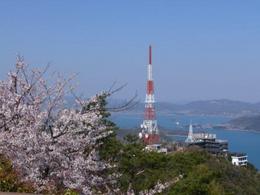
(202, 49)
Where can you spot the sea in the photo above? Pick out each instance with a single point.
(239, 141)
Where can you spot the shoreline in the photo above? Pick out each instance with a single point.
(243, 130)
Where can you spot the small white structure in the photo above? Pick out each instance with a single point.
(195, 137)
(156, 148)
(190, 135)
(239, 159)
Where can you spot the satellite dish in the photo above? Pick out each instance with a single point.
(140, 135)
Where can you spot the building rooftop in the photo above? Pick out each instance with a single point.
(221, 141)
(236, 154)
(204, 136)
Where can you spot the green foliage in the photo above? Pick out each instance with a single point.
(9, 179)
(144, 169)
(197, 181)
(216, 175)
(70, 192)
(201, 172)
(111, 149)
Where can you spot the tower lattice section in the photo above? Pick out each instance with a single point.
(150, 132)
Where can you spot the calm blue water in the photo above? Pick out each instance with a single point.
(239, 141)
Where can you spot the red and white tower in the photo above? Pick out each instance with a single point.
(149, 133)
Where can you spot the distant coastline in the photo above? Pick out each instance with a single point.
(237, 129)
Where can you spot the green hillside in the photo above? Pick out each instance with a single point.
(189, 172)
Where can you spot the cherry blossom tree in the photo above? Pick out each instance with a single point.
(52, 146)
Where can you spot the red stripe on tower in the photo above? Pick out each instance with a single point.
(150, 88)
(149, 113)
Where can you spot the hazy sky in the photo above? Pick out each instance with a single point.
(202, 49)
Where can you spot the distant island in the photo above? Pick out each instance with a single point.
(222, 107)
(250, 123)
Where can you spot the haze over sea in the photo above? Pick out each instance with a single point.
(239, 141)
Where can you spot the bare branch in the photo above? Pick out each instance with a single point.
(126, 106)
(111, 91)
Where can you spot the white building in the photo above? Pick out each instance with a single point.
(190, 135)
(239, 159)
(156, 148)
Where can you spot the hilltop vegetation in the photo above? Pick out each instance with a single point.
(193, 171)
